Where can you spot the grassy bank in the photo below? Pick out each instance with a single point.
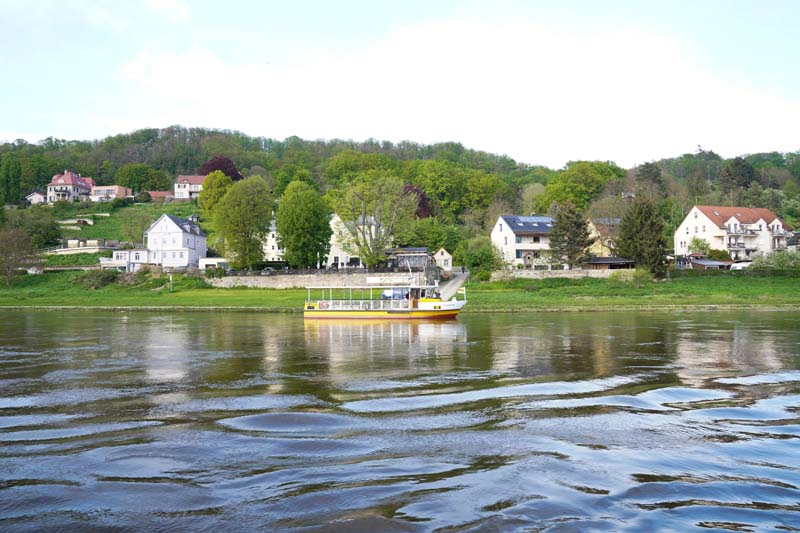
(66, 289)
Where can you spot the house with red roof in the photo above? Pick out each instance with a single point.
(188, 187)
(744, 232)
(69, 186)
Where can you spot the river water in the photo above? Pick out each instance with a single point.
(527, 422)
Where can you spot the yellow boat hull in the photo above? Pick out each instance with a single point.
(383, 314)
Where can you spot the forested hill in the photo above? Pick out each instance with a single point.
(179, 150)
(466, 187)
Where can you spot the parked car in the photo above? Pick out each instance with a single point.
(740, 265)
(268, 271)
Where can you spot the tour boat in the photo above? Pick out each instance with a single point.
(395, 301)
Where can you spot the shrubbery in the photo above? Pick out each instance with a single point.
(784, 261)
(97, 279)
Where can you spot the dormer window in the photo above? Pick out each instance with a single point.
(501, 227)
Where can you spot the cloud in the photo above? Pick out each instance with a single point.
(175, 10)
(541, 94)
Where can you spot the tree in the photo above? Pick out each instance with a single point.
(371, 207)
(303, 223)
(242, 219)
(641, 235)
(223, 164)
(569, 236)
(140, 177)
(10, 176)
(649, 175)
(736, 173)
(428, 232)
(134, 224)
(580, 183)
(478, 255)
(16, 252)
(215, 187)
(38, 223)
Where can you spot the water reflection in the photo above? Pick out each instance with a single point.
(617, 421)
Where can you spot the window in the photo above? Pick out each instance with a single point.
(687, 230)
(536, 255)
(505, 240)
(181, 255)
(695, 229)
(136, 257)
(695, 214)
(536, 239)
(501, 227)
(704, 228)
(447, 262)
(518, 239)
(519, 254)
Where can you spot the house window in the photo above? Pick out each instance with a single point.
(535, 239)
(695, 214)
(695, 229)
(704, 229)
(181, 255)
(518, 239)
(687, 230)
(519, 254)
(501, 227)
(759, 227)
(505, 240)
(135, 257)
(447, 262)
(536, 255)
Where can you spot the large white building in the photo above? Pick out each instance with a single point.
(171, 242)
(744, 232)
(522, 240)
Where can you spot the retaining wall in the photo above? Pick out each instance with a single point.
(293, 281)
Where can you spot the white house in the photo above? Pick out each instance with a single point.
(176, 242)
(272, 249)
(744, 232)
(341, 254)
(188, 187)
(70, 187)
(522, 240)
(127, 260)
(36, 198)
(443, 260)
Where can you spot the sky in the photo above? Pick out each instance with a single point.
(543, 82)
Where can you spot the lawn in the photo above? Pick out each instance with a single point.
(111, 227)
(66, 289)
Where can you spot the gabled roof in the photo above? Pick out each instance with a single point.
(719, 215)
(192, 180)
(604, 225)
(160, 194)
(532, 225)
(187, 226)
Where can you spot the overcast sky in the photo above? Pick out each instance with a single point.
(543, 82)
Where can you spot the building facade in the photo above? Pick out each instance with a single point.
(188, 187)
(604, 231)
(175, 242)
(743, 232)
(444, 260)
(69, 187)
(522, 240)
(106, 193)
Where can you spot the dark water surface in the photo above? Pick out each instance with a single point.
(535, 422)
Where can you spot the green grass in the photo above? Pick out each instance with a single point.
(589, 293)
(66, 289)
(111, 227)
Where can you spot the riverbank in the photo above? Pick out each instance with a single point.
(63, 290)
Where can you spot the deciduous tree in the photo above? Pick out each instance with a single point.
(10, 176)
(371, 206)
(242, 219)
(303, 223)
(140, 177)
(215, 187)
(16, 252)
(223, 164)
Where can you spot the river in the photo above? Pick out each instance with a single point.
(528, 422)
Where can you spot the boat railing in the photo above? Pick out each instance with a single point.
(361, 305)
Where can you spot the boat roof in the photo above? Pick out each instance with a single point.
(401, 286)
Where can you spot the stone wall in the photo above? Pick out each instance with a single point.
(292, 281)
(502, 275)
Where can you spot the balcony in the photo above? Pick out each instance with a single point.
(741, 231)
(736, 246)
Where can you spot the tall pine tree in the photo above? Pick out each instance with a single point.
(569, 236)
(641, 236)
(10, 176)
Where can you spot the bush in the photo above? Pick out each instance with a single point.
(97, 279)
(784, 261)
(118, 203)
(630, 278)
(482, 275)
